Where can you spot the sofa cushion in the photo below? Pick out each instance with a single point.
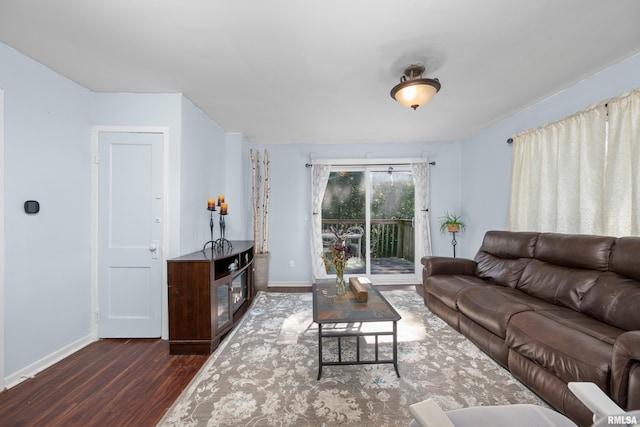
(568, 353)
(585, 324)
(557, 285)
(614, 299)
(447, 288)
(536, 304)
(503, 256)
(575, 250)
(490, 308)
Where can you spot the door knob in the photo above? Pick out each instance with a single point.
(153, 248)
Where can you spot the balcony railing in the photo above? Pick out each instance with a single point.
(390, 238)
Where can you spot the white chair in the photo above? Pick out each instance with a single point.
(354, 234)
(605, 412)
(328, 239)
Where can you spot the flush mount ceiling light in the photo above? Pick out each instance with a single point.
(413, 90)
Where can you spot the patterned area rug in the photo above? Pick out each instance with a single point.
(264, 373)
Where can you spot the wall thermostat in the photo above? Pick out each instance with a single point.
(31, 206)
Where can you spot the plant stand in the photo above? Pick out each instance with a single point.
(454, 243)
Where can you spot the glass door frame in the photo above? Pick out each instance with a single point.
(380, 165)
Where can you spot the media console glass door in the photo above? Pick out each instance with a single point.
(240, 290)
(224, 312)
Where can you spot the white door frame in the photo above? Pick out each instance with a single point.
(95, 132)
(2, 269)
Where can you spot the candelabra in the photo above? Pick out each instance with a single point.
(211, 208)
(221, 244)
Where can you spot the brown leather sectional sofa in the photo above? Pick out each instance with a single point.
(551, 308)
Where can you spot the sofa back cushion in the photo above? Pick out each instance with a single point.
(504, 255)
(566, 267)
(556, 284)
(615, 298)
(575, 250)
(625, 257)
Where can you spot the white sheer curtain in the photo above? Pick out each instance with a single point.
(622, 179)
(319, 178)
(557, 175)
(420, 173)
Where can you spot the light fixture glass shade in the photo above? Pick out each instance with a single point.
(415, 93)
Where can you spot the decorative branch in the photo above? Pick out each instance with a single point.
(265, 201)
(260, 199)
(255, 188)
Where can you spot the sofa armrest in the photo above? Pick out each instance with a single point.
(434, 265)
(624, 362)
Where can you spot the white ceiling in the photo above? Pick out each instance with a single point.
(284, 71)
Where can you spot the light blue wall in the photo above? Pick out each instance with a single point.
(47, 130)
(237, 187)
(289, 215)
(486, 160)
(47, 136)
(203, 155)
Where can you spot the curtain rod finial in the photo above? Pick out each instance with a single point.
(510, 141)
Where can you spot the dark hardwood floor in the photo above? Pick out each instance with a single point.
(113, 382)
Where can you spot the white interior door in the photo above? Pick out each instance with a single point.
(130, 234)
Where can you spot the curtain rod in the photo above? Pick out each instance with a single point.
(604, 104)
(308, 165)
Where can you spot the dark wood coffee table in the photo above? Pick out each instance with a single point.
(331, 309)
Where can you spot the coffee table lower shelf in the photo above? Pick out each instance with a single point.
(358, 361)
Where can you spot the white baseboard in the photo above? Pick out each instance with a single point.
(288, 284)
(382, 281)
(47, 361)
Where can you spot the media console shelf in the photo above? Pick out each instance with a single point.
(209, 291)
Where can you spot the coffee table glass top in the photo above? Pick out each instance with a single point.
(331, 308)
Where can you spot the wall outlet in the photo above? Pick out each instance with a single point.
(291, 263)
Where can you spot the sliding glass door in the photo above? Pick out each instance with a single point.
(375, 206)
(344, 210)
(392, 222)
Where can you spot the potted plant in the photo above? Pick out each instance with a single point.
(261, 190)
(452, 223)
